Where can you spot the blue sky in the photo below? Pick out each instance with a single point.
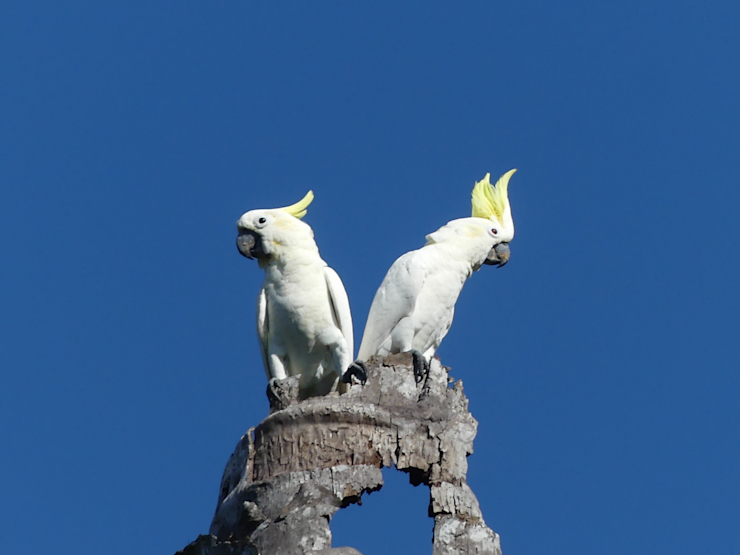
(601, 363)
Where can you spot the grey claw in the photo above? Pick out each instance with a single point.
(356, 369)
(421, 367)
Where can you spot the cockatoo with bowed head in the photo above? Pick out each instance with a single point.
(413, 308)
(304, 323)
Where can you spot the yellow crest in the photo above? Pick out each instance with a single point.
(298, 210)
(491, 200)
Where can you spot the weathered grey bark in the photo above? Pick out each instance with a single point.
(307, 459)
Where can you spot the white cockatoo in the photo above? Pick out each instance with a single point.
(413, 308)
(304, 323)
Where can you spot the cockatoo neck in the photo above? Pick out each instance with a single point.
(292, 254)
(469, 255)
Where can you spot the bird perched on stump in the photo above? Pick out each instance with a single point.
(414, 306)
(304, 324)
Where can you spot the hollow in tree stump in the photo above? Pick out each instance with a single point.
(307, 459)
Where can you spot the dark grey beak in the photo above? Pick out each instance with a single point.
(499, 255)
(249, 244)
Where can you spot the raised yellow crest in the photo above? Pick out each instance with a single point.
(298, 210)
(490, 200)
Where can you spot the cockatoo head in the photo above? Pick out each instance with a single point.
(474, 240)
(265, 233)
(484, 237)
(492, 203)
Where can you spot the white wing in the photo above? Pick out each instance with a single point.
(395, 299)
(340, 308)
(263, 330)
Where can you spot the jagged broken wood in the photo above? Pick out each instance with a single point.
(307, 459)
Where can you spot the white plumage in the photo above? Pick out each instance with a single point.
(304, 324)
(415, 304)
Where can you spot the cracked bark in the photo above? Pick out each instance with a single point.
(307, 459)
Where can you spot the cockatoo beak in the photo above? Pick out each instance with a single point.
(499, 255)
(250, 244)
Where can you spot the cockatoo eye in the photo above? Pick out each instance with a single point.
(262, 220)
(494, 231)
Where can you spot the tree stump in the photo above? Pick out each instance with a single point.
(307, 459)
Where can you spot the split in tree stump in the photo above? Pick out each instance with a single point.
(308, 459)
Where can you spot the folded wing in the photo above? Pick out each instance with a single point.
(395, 300)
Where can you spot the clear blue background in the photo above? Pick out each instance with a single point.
(601, 362)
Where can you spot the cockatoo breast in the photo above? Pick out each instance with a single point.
(298, 305)
(435, 305)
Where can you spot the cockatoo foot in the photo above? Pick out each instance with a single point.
(421, 366)
(356, 369)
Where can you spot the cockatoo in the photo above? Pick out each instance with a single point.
(304, 323)
(413, 308)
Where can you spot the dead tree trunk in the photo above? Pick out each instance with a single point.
(307, 459)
